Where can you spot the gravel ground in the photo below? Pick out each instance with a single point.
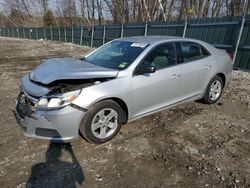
(194, 145)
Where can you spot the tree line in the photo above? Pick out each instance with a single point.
(87, 12)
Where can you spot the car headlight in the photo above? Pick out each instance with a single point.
(57, 101)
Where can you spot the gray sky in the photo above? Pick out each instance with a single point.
(1, 6)
(51, 4)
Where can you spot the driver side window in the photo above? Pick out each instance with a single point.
(162, 56)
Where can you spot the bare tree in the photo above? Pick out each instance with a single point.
(82, 12)
(170, 10)
(99, 11)
(182, 9)
(44, 5)
(206, 8)
(93, 11)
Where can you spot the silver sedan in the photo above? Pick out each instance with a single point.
(119, 82)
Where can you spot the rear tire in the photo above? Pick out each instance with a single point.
(102, 122)
(213, 90)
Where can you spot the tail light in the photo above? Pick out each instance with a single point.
(231, 55)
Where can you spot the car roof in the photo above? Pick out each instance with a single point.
(154, 39)
(149, 39)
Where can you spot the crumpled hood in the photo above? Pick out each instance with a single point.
(68, 68)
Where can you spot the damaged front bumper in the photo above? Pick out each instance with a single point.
(56, 125)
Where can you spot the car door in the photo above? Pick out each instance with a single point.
(161, 88)
(195, 67)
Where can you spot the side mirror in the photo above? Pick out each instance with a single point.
(142, 69)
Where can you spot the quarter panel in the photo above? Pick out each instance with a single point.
(221, 64)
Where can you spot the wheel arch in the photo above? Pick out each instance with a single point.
(223, 77)
(123, 105)
(120, 102)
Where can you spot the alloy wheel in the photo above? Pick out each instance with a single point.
(104, 123)
(215, 90)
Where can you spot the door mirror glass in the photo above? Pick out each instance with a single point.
(144, 68)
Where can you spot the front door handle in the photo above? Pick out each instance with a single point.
(176, 76)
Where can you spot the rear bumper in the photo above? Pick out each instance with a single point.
(228, 78)
(60, 125)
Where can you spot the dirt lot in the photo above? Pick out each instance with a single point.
(194, 145)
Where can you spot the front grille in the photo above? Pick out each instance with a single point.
(47, 133)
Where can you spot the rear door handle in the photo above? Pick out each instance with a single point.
(207, 66)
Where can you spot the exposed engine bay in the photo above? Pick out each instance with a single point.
(63, 86)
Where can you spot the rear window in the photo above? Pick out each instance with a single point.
(192, 51)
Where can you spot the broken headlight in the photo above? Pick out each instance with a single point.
(57, 101)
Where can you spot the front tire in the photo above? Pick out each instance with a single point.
(102, 122)
(213, 90)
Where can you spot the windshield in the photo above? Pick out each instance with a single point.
(116, 55)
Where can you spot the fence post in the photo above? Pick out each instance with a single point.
(92, 36)
(12, 30)
(17, 32)
(185, 28)
(36, 34)
(241, 29)
(146, 29)
(59, 33)
(44, 33)
(4, 31)
(24, 33)
(30, 30)
(8, 32)
(72, 35)
(65, 37)
(122, 30)
(51, 34)
(104, 34)
(81, 35)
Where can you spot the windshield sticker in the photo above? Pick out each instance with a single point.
(122, 65)
(140, 45)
